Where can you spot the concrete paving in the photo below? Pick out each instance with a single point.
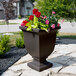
(9, 28)
(12, 27)
(63, 59)
(68, 27)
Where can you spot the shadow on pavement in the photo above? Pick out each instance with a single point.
(65, 41)
(63, 60)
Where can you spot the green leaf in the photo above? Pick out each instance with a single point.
(44, 29)
(29, 28)
(44, 25)
(35, 19)
(35, 25)
(35, 22)
(28, 24)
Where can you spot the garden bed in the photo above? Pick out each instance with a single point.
(10, 58)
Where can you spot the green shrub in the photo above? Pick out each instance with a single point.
(4, 40)
(20, 41)
(1, 49)
(21, 33)
(4, 44)
(19, 17)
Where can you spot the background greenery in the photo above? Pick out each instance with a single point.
(63, 8)
(33, 0)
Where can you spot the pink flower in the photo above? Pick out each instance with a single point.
(53, 12)
(58, 24)
(45, 17)
(47, 22)
(62, 21)
(53, 26)
(22, 24)
(42, 17)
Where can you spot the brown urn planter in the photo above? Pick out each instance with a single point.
(39, 44)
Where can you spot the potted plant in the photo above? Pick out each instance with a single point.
(39, 38)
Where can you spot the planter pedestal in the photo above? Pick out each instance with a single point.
(39, 66)
(39, 44)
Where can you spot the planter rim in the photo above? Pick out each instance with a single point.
(37, 30)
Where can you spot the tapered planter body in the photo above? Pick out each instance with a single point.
(39, 44)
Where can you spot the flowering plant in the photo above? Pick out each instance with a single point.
(38, 21)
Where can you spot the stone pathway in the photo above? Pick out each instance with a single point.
(63, 59)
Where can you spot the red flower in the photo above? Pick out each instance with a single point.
(38, 14)
(58, 24)
(22, 24)
(25, 22)
(31, 17)
(35, 11)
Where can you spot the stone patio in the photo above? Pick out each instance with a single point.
(63, 59)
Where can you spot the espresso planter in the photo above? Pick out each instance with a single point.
(39, 44)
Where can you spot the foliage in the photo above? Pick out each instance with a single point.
(33, 0)
(63, 8)
(4, 44)
(20, 41)
(38, 21)
(21, 33)
(8, 9)
(1, 49)
(19, 17)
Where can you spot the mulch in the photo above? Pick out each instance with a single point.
(10, 58)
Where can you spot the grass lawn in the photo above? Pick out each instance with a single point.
(4, 23)
(13, 39)
(67, 35)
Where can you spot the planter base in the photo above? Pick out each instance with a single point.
(40, 66)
